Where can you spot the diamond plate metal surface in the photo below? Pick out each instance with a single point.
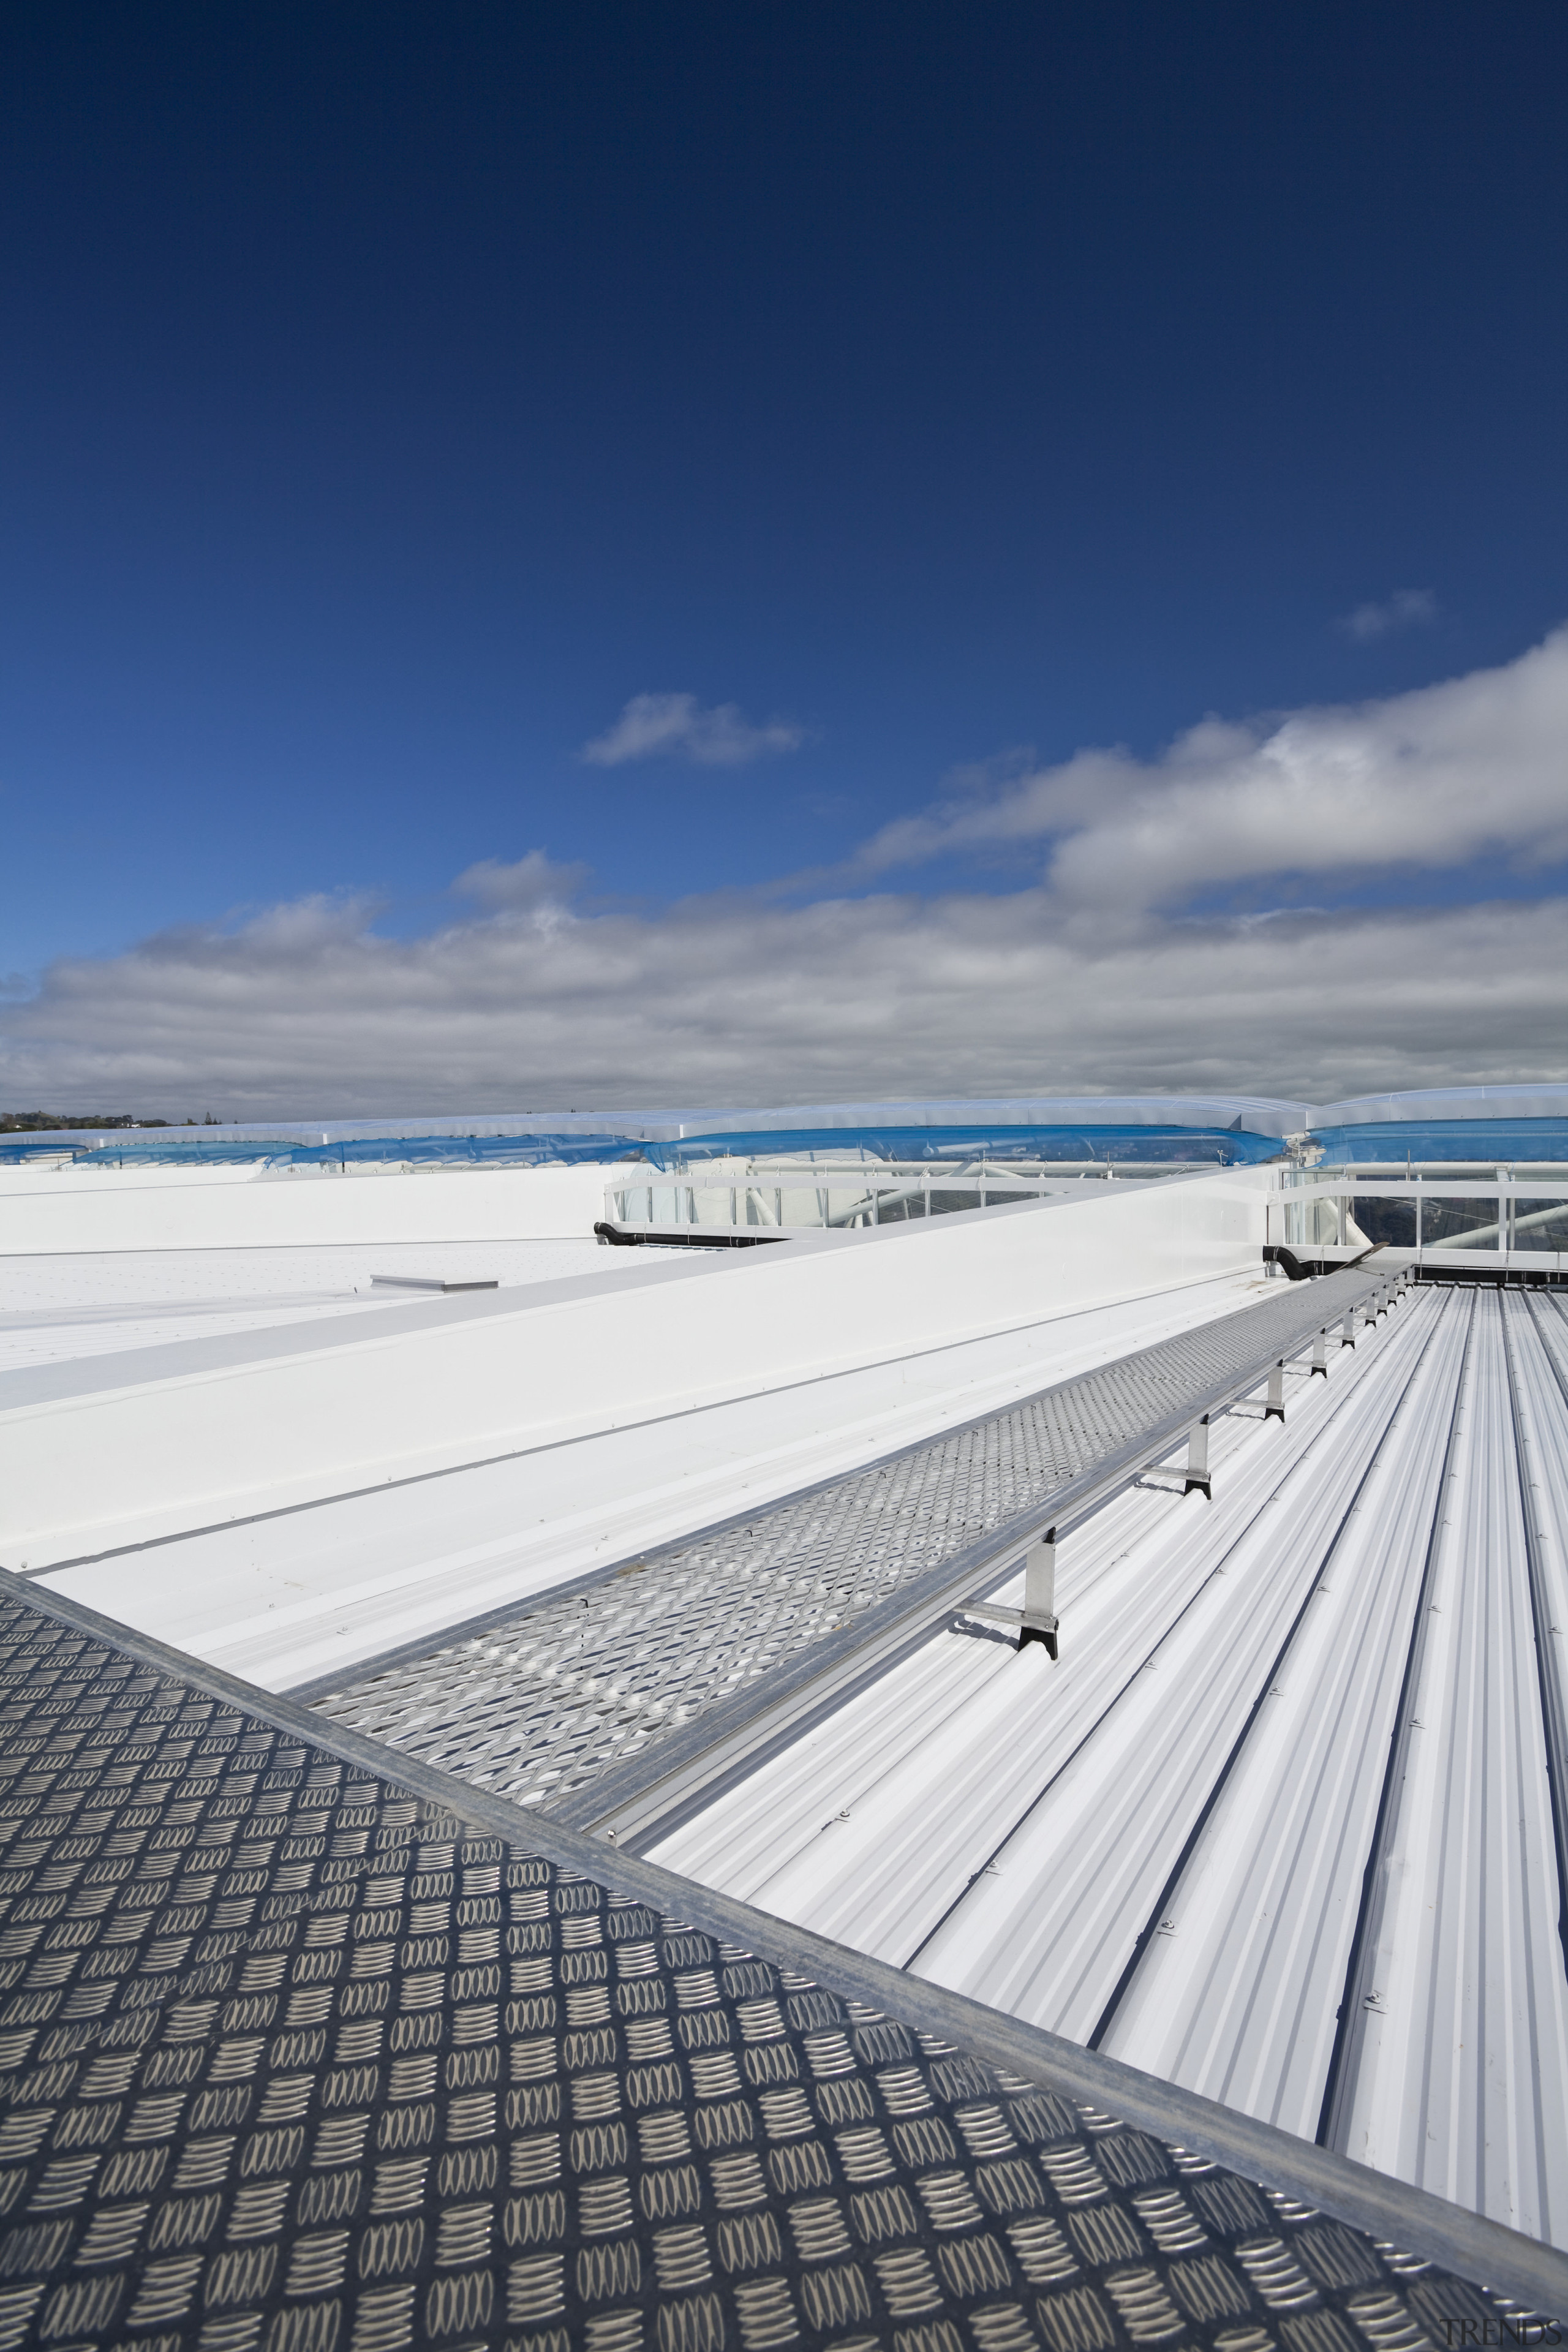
(541, 1703)
(291, 2061)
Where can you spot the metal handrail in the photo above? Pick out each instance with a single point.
(649, 1795)
(889, 1185)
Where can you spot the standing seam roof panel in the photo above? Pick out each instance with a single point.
(1241, 2001)
(1460, 2087)
(1115, 1821)
(928, 1807)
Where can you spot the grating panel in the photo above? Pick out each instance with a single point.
(293, 2061)
(541, 1703)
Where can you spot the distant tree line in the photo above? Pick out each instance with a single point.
(36, 1122)
(29, 1122)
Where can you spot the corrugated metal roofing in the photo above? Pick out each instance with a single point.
(1177, 1844)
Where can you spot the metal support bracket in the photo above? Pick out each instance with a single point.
(1320, 1353)
(1198, 1461)
(1039, 1618)
(1347, 1332)
(1275, 1408)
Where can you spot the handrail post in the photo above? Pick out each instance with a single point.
(1198, 1461)
(1039, 1618)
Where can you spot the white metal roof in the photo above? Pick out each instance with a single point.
(1160, 1844)
(1186, 1844)
(288, 1596)
(100, 1302)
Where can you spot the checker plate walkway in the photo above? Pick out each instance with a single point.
(296, 2061)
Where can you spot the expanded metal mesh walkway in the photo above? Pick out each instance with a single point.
(541, 1702)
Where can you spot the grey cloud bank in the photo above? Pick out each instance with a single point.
(891, 995)
(1098, 976)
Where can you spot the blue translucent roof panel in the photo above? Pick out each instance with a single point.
(1220, 1147)
(1505, 1140)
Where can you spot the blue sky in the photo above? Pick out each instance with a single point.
(393, 395)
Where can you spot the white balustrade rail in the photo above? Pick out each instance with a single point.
(1448, 1214)
(798, 1196)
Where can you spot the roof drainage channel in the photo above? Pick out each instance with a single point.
(540, 1702)
(372, 2058)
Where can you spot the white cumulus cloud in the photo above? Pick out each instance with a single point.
(1098, 974)
(675, 725)
(1436, 778)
